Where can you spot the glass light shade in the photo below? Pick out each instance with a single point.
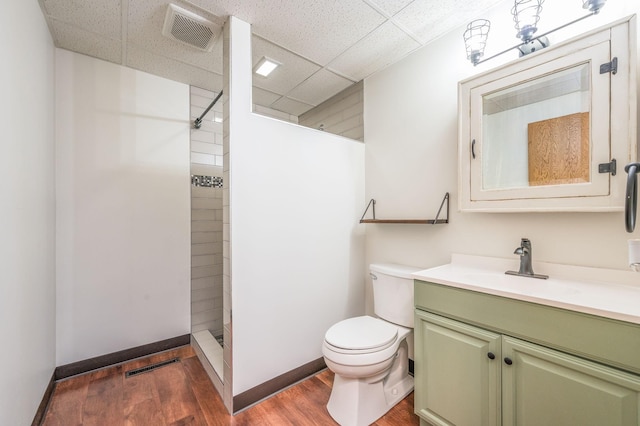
(475, 39)
(526, 14)
(593, 5)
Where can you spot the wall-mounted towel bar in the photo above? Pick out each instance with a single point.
(435, 221)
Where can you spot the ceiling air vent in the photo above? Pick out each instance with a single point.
(189, 28)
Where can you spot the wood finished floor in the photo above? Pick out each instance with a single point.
(181, 394)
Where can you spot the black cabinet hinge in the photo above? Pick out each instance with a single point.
(611, 67)
(608, 167)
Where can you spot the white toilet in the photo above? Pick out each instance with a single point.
(370, 356)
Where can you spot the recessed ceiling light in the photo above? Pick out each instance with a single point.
(266, 66)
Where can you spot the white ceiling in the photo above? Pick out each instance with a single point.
(324, 45)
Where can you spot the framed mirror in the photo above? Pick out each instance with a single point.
(540, 133)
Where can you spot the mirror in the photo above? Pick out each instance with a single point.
(537, 132)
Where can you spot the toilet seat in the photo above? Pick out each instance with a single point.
(361, 335)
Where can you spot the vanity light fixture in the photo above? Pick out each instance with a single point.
(593, 5)
(266, 66)
(526, 14)
(475, 39)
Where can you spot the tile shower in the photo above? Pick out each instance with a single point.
(206, 230)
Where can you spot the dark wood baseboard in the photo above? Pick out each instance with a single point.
(42, 408)
(253, 395)
(80, 367)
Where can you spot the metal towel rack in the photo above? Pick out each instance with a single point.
(435, 221)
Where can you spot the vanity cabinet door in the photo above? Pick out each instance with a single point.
(457, 372)
(541, 386)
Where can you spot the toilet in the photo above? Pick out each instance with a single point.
(370, 356)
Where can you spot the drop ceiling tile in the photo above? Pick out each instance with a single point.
(390, 7)
(291, 106)
(146, 61)
(293, 71)
(81, 41)
(383, 47)
(319, 87)
(264, 97)
(310, 33)
(225, 8)
(144, 29)
(319, 30)
(429, 20)
(98, 16)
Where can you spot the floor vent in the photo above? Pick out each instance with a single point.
(189, 28)
(150, 367)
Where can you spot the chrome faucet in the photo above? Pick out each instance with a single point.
(526, 269)
(524, 251)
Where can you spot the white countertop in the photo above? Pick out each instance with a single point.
(604, 292)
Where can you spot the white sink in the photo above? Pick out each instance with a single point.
(604, 292)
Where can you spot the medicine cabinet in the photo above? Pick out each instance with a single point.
(552, 131)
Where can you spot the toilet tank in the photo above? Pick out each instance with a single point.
(393, 292)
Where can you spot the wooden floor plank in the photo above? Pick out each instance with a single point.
(177, 400)
(182, 394)
(103, 405)
(141, 401)
(209, 400)
(326, 377)
(67, 402)
(145, 413)
(311, 397)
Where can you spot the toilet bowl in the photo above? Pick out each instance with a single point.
(370, 356)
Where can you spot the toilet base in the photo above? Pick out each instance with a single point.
(357, 403)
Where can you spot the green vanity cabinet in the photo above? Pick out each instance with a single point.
(456, 381)
(488, 360)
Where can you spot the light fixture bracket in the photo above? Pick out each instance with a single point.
(534, 45)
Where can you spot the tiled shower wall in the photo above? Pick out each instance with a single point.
(206, 216)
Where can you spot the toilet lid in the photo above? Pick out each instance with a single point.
(364, 333)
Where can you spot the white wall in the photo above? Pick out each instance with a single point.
(411, 134)
(295, 197)
(123, 219)
(27, 211)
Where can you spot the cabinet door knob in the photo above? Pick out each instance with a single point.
(491, 355)
(508, 361)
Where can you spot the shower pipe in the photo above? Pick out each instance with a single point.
(198, 122)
